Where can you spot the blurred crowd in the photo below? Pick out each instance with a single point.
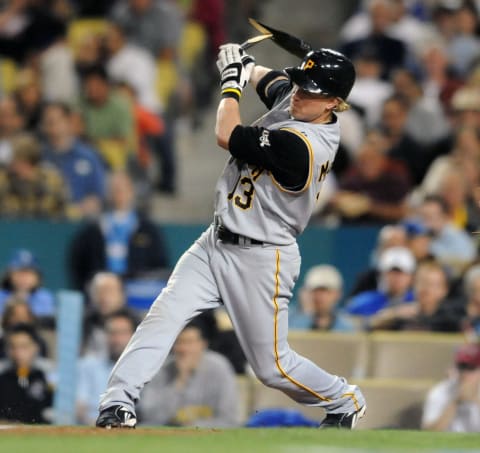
(84, 120)
(92, 88)
(413, 130)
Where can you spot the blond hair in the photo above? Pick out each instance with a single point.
(342, 106)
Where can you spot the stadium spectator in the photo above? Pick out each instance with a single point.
(108, 118)
(78, 163)
(147, 124)
(464, 46)
(29, 189)
(23, 279)
(18, 311)
(28, 28)
(454, 404)
(56, 69)
(464, 161)
(401, 146)
(211, 15)
(122, 241)
(153, 25)
(454, 190)
(449, 245)
(218, 331)
(29, 98)
(155, 138)
(431, 310)
(402, 24)
(392, 52)
(133, 65)
(443, 18)
(418, 240)
(106, 295)
(407, 28)
(439, 80)
(471, 289)
(319, 300)
(369, 91)
(396, 266)
(466, 106)
(94, 369)
(375, 187)
(388, 236)
(89, 54)
(196, 387)
(25, 393)
(11, 123)
(426, 121)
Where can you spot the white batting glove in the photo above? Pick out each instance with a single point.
(233, 75)
(248, 62)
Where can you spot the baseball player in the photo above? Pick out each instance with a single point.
(248, 259)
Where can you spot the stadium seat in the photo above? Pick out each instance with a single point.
(268, 398)
(339, 353)
(408, 355)
(393, 403)
(8, 74)
(245, 386)
(192, 44)
(167, 78)
(79, 29)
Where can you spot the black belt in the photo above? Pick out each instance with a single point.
(230, 237)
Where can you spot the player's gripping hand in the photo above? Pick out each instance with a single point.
(235, 68)
(248, 62)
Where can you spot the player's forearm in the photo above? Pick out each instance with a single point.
(258, 73)
(228, 117)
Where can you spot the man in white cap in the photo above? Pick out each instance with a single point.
(319, 298)
(396, 266)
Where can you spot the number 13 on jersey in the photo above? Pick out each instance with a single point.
(245, 184)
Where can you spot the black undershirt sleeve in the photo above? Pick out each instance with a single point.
(273, 87)
(282, 152)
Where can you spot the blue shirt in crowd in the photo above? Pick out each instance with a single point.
(81, 168)
(41, 301)
(369, 303)
(92, 378)
(301, 321)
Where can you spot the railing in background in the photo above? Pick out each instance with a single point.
(348, 248)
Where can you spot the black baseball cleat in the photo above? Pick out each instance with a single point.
(116, 417)
(343, 420)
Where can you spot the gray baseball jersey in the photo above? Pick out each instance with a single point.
(250, 201)
(271, 204)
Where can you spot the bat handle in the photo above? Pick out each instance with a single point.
(246, 45)
(256, 39)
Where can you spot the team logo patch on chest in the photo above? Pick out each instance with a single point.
(264, 140)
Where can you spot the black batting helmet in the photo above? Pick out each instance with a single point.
(324, 71)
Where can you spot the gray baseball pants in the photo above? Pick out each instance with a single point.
(255, 284)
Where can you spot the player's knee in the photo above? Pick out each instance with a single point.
(270, 377)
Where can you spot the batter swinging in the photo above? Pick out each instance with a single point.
(248, 259)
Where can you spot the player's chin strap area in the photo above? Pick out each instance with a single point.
(229, 237)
